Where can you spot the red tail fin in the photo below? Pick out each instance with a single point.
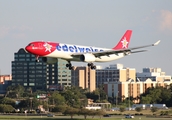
(125, 40)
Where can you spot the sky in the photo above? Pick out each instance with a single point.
(99, 23)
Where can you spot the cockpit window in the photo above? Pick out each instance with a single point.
(31, 44)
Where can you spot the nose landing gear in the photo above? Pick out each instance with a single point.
(37, 58)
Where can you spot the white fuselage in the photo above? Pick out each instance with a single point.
(65, 51)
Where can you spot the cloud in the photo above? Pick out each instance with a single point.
(19, 36)
(4, 31)
(166, 20)
(14, 31)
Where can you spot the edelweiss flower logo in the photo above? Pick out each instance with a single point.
(124, 43)
(47, 47)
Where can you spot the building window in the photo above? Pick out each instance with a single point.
(31, 84)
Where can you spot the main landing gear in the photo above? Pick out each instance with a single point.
(91, 65)
(69, 65)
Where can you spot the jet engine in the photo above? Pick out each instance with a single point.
(87, 58)
(127, 53)
(49, 60)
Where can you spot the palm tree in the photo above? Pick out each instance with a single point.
(123, 97)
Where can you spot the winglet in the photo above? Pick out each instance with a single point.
(157, 42)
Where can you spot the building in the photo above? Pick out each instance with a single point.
(4, 77)
(5, 81)
(114, 73)
(155, 74)
(128, 85)
(38, 76)
(84, 77)
(64, 74)
(131, 88)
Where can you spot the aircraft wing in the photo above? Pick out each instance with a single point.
(109, 52)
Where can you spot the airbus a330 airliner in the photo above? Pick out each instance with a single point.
(50, 51)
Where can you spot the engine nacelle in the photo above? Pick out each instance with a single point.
(49, 60)
(87, 58)
(127, 53)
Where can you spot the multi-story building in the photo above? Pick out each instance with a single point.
(38, 76)
(84, 77)
(151, 77)
(114, 73)
(131, 88)
(5, 81)
(64, 74)
(155, 74)
(4, 77)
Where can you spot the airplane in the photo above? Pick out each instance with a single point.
(51, 51)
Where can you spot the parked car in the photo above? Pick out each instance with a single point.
(50, 115)
(107, 115)
(129, 116)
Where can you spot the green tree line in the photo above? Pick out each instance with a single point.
(76, 97)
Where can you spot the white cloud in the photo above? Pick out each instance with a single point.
(19, 36)
(166, 20)
(14, 31)
(4, 31)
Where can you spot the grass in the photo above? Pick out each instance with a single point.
(4, 117)
(113, 117)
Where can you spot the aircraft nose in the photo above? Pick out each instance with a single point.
(28, 48)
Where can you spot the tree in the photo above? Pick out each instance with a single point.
(74, 98)
(71, 111)
(122, 109)
(8, 101)
(145, 100)
(84, 112)
(154, 109)
(97, 95)
(56, 99)
(6, 108)
(100, 113)
(34, 103)
(23, 104)
(15, 91)
(31, 103)
(59, 108)
(138, 109)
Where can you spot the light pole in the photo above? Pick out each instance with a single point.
(117, 98)
(31, 103)
(129, 95)
(47, 106)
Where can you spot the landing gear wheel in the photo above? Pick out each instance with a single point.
(71, 68)
(69, 65)
(91, 65)
(36, 60)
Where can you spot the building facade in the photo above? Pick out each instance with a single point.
(131, 88)
(114, 73)
(4, 77)
(38, 76)
(155, 74)
(5, 81)
(84, 77)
